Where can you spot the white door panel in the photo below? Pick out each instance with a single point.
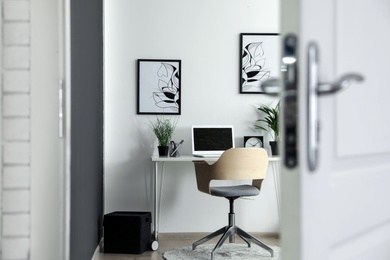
(362, 44)
(357, 202)
(374, 245)
(340, 210)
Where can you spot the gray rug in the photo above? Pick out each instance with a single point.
(227, 251)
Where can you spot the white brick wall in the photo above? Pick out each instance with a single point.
(16, 225)
(16, 177)
(16, 153)
(15, 117)
(16, 129)
(17, 33)
(16, 81)
(16, 57)
(16, 248)
(16, 10)
(15, 105)
(16, 201)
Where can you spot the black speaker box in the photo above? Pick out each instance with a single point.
(127, 232)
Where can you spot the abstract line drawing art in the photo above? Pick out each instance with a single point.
(159, 86)
(259, 60)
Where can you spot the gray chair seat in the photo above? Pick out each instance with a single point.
(234, 191)
(235, 164)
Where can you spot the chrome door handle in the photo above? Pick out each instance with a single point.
(342, 83)
(312, 106)
(271, 87)
(315, 89)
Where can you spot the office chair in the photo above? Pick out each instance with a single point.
(234, 164)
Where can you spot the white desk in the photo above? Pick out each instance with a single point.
(274, 163)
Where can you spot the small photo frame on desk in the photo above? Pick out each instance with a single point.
(259, 60)
(159, 87)
(174, 149)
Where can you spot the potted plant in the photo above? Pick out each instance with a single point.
(163, 128)
(270, 124)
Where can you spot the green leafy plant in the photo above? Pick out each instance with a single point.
(270, 122)
(163, 128)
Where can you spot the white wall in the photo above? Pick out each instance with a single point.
(204, 35)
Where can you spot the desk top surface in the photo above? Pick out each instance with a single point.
(190, 158)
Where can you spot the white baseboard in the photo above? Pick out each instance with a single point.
(98, 250)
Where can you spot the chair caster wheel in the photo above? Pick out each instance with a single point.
(154, 245)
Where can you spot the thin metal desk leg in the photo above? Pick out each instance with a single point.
(276, 172)
(156, 201)
(154, 244)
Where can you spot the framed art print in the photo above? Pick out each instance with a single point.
(259, 60)
(159, 87)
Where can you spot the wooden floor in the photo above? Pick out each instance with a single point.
(170, 241)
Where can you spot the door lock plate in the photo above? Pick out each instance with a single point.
(290, 100)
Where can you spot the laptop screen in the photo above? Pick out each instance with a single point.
(211, 140)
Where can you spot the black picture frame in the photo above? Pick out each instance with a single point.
(259, 60)
(159, 87)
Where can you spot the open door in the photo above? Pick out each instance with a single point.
(336, 144)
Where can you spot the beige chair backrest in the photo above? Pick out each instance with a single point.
(234, 164)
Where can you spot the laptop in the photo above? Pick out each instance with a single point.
(211, 140)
